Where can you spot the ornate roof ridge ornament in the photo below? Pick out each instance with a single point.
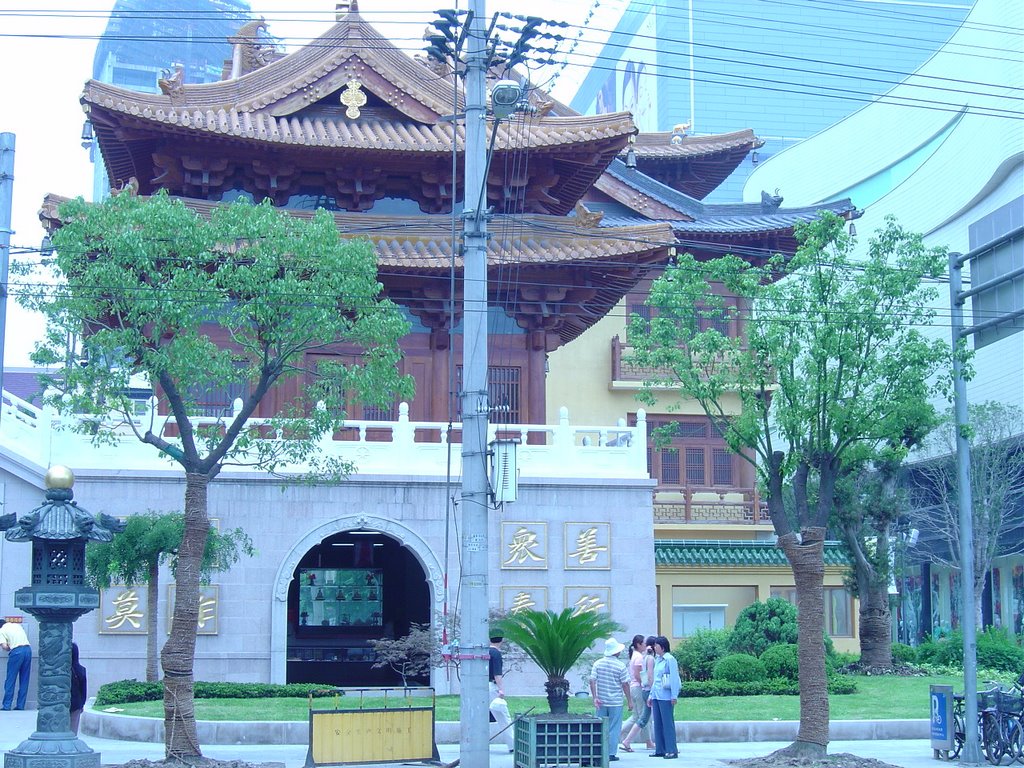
(353, 98)
(248, 52)
(60, 517)
(345, 7)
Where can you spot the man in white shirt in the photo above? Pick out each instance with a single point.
(609, 685)
(19, 662)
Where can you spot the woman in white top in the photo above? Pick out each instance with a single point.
(641, 672)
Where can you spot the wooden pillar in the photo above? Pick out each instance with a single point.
(535, 411)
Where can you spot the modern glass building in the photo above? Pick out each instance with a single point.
(785, 68)
(144, 40)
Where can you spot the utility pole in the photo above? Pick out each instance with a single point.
(473, 651)
(6, 201)
(971, 754)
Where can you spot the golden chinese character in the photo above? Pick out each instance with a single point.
(587, 603)
(520, 549)
(587, 548)
(522, 602)
(207, 610)
(126, 609)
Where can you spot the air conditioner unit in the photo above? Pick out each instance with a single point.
(504, 471)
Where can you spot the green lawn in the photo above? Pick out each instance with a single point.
(877, 698)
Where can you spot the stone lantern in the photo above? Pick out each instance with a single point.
(58, 530)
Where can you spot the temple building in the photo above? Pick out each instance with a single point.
(586, 212)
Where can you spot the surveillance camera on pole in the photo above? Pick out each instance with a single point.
(506, 98)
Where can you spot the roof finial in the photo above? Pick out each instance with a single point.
(345, 7)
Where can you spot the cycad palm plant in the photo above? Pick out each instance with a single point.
(555, 641)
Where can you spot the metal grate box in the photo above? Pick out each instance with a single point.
(561, 740)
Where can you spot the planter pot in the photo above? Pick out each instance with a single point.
(552, 739)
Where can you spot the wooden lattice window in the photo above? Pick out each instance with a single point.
(696, 455)
(504, 394)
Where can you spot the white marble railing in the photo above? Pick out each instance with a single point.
(43, 437)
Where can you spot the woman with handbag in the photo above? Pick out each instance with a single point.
(664, 694)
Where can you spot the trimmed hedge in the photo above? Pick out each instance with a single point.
(777, 686)
(760, 625)
(740, 668)
(781, 661)
(124, 691)
(698, 653)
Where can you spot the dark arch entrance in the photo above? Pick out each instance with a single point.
(351, 588)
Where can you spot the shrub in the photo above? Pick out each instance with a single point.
(996, 650)
(124, 691)
(698, 653)
(760, 625)
(904, 654)
(781, 661)
(740, 668)
(777, 686)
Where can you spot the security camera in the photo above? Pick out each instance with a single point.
(505, 98)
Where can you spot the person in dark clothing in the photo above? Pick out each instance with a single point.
(79, 689)
(500, 715)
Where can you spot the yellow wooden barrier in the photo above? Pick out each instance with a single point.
(375, 725)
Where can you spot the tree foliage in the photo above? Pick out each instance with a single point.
(249, 300)
(830, 364)
(412, 655)
(150, 540)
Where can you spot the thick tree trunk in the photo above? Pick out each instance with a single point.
(807, 559)
(180, 736)
(875, 627)
(153, 601)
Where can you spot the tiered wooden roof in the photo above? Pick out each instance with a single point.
(704, 229)
(697, 164)
(294, 115)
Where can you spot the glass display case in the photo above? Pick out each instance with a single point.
(340, 597)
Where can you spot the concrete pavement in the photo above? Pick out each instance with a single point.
(907, 753)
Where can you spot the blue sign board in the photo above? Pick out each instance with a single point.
(941, 700)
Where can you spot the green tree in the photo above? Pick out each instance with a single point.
(868, 503)
(135, 555)
(236, 302)
(832, 363)
(555, 641)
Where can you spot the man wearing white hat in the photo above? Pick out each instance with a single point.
(609, 685)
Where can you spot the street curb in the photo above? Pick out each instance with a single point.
(108, 725)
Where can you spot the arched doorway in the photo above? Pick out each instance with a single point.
(345, 585)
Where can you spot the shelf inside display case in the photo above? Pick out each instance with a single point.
(345, 598)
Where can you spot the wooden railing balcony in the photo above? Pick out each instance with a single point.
(688, 504)
(622, 370)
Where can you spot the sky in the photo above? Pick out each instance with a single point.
(46, 55)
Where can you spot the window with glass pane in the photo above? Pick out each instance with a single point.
(837, 613)
(688, 619)
(838, 608)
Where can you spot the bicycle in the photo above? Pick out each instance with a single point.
(987, 725)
